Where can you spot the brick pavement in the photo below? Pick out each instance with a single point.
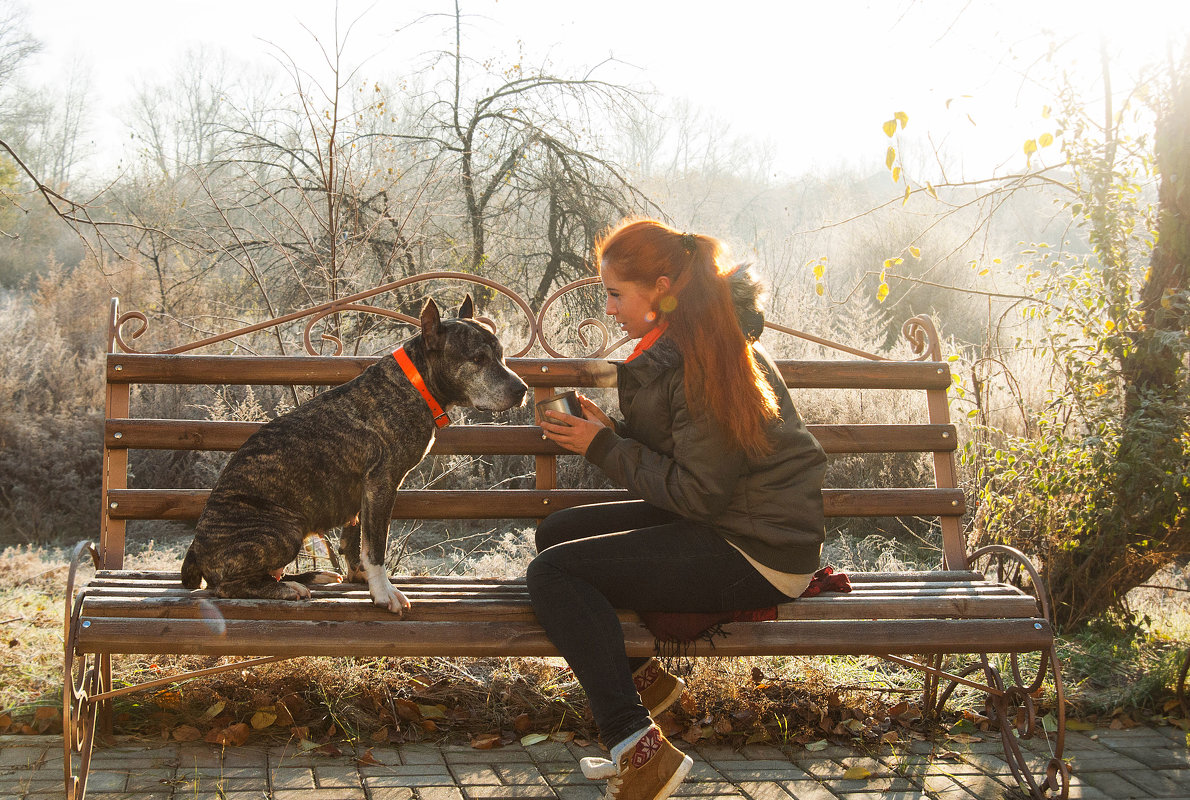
(1112, 765)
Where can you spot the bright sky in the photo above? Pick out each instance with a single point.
(816, 79)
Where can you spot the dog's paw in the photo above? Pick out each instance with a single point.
(393, 600)
(294, 591)
(325, 578)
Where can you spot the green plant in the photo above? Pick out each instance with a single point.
(1098, 485)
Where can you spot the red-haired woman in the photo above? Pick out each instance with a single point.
(730, 481)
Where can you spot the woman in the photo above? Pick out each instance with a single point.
(730, 481)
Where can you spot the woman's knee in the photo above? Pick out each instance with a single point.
(561, 526)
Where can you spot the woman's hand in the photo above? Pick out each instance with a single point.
(575, 433)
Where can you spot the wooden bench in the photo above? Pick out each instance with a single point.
(973, 604)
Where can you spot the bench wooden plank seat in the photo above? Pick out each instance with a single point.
(974, 605)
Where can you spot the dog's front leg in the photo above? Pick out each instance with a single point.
(375, 515)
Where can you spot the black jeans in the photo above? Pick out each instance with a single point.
(633, 555)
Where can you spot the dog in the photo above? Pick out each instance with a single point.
(343, 453)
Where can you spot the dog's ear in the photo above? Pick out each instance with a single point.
(466, 309)
(431, 322)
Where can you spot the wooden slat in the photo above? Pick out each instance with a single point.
(857, 578)
(370, 638)
(167, 434)
(358, 606)
(552, 372)
(185, 504)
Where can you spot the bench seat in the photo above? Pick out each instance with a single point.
(948, 611)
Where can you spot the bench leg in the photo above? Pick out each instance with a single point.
(1012, 708)
(82, 680)
(1014, 713)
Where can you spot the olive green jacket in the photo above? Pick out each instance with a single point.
(663, 452)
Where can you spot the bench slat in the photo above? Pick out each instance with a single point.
(125, 368)
(187, 504)
(168, 434)
(445, 608)
(857, 578)
(366, 638)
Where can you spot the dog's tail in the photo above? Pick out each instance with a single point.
(191, 573)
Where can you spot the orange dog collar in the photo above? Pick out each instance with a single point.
(440, 418)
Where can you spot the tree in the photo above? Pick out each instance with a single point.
(1098, 485)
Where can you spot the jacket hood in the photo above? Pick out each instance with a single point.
(747, 292)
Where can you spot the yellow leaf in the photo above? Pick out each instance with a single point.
(214, 710)
(890, 157)
(263, 719)
(819, 271)
(1109, 326)
(890, 128)
(857, 774)
(902, 118)
(905, 199)
(896, 174)
(1030, 147)
(882, 292)
(818, 289)
(1079, 725)
(931, 191)
(1045, 112)
(431, 712)
(1045, 139)
(915, 252)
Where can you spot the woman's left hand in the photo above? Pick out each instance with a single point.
(573, 433)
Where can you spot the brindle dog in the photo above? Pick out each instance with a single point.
(343, 453)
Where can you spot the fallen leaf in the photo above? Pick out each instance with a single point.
(890, 738)
(186, 733)
(814, 747)
(214, 710)
(369, 760)
(857, 774)
(723, 726)
(562, 736)
(522, 723)
(432, 712)
(534, 738)
(329, 749)
(692, 734)
(45, 712)
(485, 741)
(380, 736)
(761, 735)
(668, 724)
(263, 719)
(1079, 725)
(407, 709)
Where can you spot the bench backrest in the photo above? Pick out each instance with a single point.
(125, 430)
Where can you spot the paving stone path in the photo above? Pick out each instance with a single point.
(1111, 765)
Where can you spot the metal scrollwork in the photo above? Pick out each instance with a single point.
(82, 681)
(923, 337)
(595, 336)
(1012, 709)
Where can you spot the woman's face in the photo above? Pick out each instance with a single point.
(633, 305)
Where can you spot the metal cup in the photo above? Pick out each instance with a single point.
(566, 403)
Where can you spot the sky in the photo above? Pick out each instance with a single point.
(815, 80)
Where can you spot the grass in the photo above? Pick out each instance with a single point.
(1121, 674)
